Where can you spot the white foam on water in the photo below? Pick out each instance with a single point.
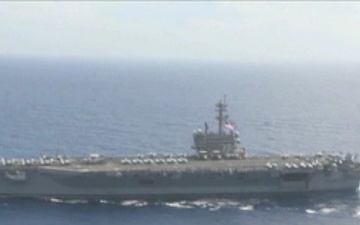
(106, 202)
(128, 203)
(328, 210)
(357, 213)
(246, 208)
(216, 208)
(201, 204)
(311, 211)
(227, 203)
(208, 204)
(141, 204)
(214, 204)
(72, 201)
(134, 203)
(76, 201)
(180, 205)
(55, 200)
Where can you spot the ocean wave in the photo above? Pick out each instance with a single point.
(328, 210)
(68, 201)
(243, 205)
(202, 204)
(211, 205)
(247, 208)
(357, 213)
(216, 208)
(179, 205)
(107, 202)
(214, 205)
(134, 203)
(324, 211)
(310, 211)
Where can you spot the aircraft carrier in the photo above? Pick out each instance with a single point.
(219, 167)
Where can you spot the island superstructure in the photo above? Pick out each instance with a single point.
(219, 168)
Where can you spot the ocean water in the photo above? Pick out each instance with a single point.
(78, 107)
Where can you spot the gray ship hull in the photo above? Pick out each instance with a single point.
(151, 182)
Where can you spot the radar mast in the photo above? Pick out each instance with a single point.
(222, 117)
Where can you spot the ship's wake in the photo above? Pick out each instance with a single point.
(325, 210)
(207, 204)
(357, 213)
(321, 205)
(67, 201)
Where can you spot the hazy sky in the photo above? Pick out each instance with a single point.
(234, 31)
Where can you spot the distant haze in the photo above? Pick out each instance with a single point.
(226, 32)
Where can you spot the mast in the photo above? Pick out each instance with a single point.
(222, 117)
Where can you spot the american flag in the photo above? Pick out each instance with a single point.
(229, 126)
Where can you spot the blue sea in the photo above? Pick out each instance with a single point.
(76, 107)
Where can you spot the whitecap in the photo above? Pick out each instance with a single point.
(328, 210)
(128, 203)
(180, 205)
(134, 203)
(202, 204)
(141, 204)
(310, 211)
(247, 207)
(106, 202)
(76, 201)
(73, 201)
(216, 208)
(227, 203)
(56, 200)
(357, 213)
